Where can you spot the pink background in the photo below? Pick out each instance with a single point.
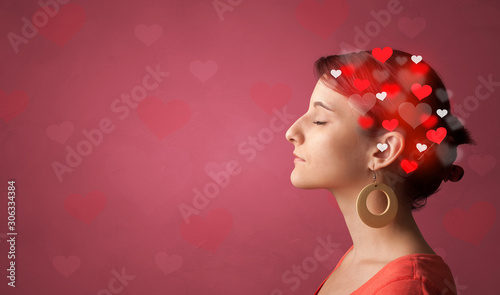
(118, 210)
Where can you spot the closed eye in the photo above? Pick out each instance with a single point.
(319, 123)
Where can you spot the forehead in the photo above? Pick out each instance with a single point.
(324, 93)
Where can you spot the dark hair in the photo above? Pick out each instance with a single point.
(396, 76)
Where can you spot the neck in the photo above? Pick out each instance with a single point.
(398, 238)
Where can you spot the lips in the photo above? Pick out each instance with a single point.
(297, 158)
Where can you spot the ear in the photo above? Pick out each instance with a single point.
(394, 143)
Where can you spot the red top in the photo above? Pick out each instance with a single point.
(414, 274)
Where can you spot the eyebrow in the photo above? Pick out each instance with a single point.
(319, 103)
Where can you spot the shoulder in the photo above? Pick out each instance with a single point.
(414, 274)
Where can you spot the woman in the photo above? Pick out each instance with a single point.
(380, 137)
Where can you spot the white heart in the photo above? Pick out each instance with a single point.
(442, 112)
(381, 95)
(416, 58)
(335, 73)
(421, 147)
(382, 146)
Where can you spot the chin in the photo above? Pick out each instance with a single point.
(303, 182)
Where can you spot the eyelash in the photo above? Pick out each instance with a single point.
(319, 123)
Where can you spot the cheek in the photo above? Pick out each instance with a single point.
(333, 162)
(343, 153)
(328, 154)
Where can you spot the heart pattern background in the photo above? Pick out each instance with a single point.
(128, 127)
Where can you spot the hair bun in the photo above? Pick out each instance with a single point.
(455, 173)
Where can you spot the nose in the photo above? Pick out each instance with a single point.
(294, 134)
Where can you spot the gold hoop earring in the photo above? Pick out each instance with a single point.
(377, 220)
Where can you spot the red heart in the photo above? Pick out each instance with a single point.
(437, 135)
(64, 25)
(317, 17)
(390, 125)
(419, 68)
(362, 104)
(381, 75)
(168, 263)
(420, 91)
(382, 54)
(66, 266)
(203, 70)
(85, 209)
(471, 226)
(414, 115)
(208, 233)
(482, 164)
(162, 119)
(408, 166)
(361, 84)
(268, 98)
(12, 104)
(428, 122)
(347, 70)
(365, 122)
(411, 27)
(149, 35)
(61, 132)
(391, 89)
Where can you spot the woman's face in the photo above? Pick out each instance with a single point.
(331, 152)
